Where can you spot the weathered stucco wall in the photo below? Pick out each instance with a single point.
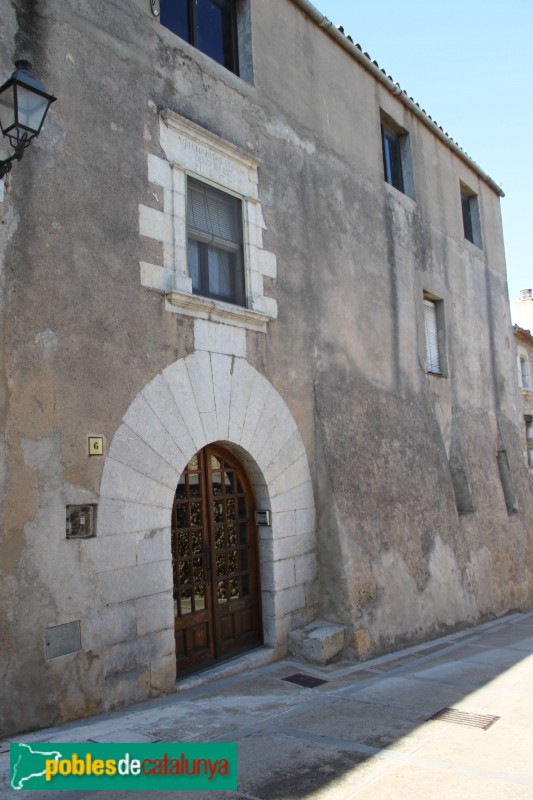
(384, 440)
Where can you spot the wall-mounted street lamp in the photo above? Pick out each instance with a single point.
(23, 107)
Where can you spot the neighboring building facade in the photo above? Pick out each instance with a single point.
(258, 359)
(522, 316)
(522, 309)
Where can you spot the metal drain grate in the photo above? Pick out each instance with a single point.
(304, 680)
(453, 715)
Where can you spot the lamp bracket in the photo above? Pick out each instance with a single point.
(7, 163)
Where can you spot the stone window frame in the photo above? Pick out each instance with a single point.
(193, 151)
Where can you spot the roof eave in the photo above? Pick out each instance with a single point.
(523, 333)
(395, 89)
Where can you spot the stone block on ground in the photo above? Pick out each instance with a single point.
(318, 643)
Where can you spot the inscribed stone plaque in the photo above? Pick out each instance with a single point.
(62, 639)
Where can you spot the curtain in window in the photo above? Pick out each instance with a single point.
(193, 260)
(219, 266)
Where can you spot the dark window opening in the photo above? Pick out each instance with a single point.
(214, 243)
(209, 25)
(470, 213)
(467, 218)
(392, 158)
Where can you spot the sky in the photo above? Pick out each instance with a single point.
(469, 63)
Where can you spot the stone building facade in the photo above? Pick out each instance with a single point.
(257, 357)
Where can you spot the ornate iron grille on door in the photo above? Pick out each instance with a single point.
(215, 562)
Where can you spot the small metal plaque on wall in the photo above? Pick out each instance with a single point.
(81, 522)
(96, 445)
(62, 639)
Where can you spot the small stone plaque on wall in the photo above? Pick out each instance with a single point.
(62, 639)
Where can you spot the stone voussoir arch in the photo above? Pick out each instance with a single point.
(203, 398)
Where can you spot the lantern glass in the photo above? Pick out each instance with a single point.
(23, 105)
(31, 109)
(7, 109)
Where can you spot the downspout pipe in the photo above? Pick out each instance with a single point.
(394, 88)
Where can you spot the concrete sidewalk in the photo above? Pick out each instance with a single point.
(364, 733)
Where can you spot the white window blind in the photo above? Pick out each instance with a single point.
(432, 339)
(212, 214)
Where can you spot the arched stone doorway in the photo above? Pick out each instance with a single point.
(196, 401)
(215, 561)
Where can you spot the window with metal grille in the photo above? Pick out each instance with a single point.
(214, 243)
(209, 25)
(433, 360)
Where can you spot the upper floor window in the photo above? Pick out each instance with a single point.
(434, 335)
(524, 376)
(397, 165)
(470, 211)
(211, 262)
(209, 25)
(214, 243)
(392, 161)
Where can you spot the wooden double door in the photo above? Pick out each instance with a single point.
(217, 607)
